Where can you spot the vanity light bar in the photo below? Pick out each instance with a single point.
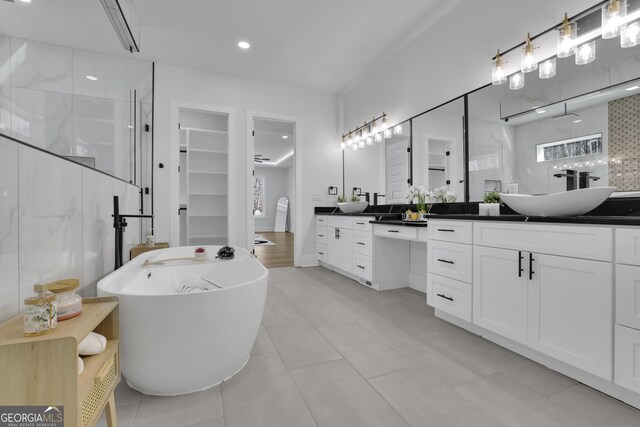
(370, 131)
(577, 36)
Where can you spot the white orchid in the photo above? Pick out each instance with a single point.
(442, 195)
(416, 191)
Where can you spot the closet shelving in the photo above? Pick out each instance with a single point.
(204, 183)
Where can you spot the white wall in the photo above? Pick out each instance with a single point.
(317, 152)
(275, 187)
(55, 223)
(450, 58)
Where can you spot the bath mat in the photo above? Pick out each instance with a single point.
(261, 241)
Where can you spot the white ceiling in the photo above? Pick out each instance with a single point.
(327, 45)
(269, 142)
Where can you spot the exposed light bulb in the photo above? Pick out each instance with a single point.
(547, 69)
(387, 133)
(630, 36)
(378, 137)
(567, 34)
(361, 143)
(397, 130)
(516, 81)
(369, 140)
(349, 140)
(613, 22)
(498, 76)
(374, 127)
(343, 143)
(529, 62)
(586, 53)
(384, 125)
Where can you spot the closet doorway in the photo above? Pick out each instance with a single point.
(273, 190)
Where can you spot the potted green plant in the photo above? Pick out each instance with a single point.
(355, 198)
(491, 205)
(342, 199)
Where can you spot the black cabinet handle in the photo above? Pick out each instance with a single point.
(360, 223)
(445, 261)
(393, 231)
(320, 235)
(359, 266)
(445, 297)
(445, 229)
(360, 243)
(520, 269)
(531, 259)
(321, 253)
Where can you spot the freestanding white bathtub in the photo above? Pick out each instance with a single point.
(175, 343)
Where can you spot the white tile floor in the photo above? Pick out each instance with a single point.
(334, 353)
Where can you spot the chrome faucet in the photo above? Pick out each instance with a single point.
(585, 178)
(571, 178)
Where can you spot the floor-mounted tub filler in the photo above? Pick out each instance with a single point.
(186, 324)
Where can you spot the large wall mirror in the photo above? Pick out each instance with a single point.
(383, 167)
(584, 119)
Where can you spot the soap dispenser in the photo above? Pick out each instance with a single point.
(150, 239)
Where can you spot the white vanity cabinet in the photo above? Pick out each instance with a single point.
(532, 285)
(322, 238)
(449, 267)
(340, 243)
(500, 288)
(363, 248)
(627, 328)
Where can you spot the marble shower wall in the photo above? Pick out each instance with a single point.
(55, 222)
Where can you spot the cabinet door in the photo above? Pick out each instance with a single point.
(499, 294)
(570, 312)
(627, 355)
(341, 248)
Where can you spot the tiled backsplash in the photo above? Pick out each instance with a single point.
(55, 222)
(624, 143)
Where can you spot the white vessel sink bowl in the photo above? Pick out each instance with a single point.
(567, 203)
(353, 207)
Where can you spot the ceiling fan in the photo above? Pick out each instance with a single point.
(259, 158)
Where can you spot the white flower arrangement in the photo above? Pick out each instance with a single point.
(416, 191)
(442, 195)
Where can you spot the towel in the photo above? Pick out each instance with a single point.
(93, 344)
(80, 365)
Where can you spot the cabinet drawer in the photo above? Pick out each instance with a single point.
(323, 254)
(450, 231)
(628, 246)
(362, 266)
(451, 296)
(341, 222)
(626, 371)
(322, 220)
(396, 231)
(321, 235)
(628, 296)
(588, 242)
(451, 260)
(362, 223)
(363, 243)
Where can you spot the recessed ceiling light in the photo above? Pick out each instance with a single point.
(632, 88)
(577, 120)
(541, 111)
(92, 78)
(285, 136)
(244, 45)
(26, 1)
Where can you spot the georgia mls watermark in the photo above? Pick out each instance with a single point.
(31, 416)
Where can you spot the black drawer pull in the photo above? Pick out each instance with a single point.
(445, 297)
(446, 229)
(360, 223)
(531, 259)
(359, 266)
(360, 243)
(320, 235)
(321, 253)
(445, 261)
(520, 269)
(393, 231)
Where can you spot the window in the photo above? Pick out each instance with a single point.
(258, 196)
(574, 147)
